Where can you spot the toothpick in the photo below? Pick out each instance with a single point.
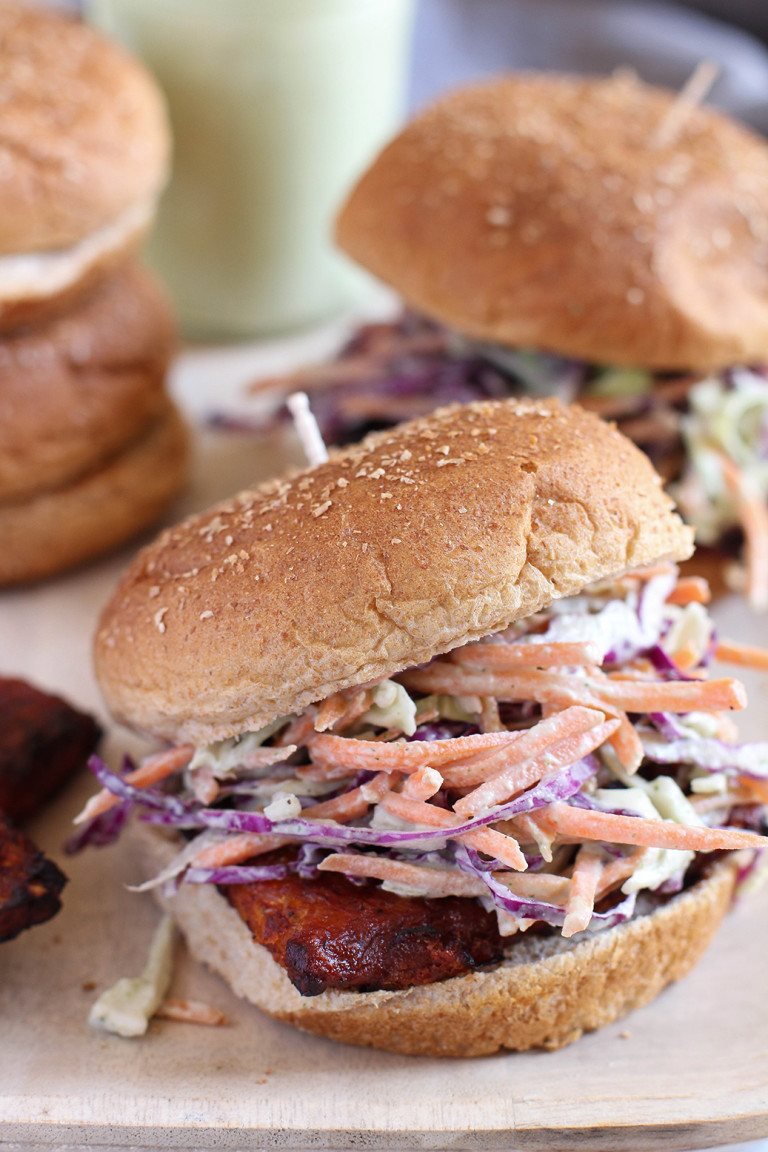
(688, 98)
(307, 428)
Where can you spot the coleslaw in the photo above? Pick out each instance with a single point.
(707, 437)
(553, 771)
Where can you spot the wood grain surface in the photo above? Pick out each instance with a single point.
(690, 1070)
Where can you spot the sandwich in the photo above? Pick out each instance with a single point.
(443, 770)
(595, 239)
(84, 155)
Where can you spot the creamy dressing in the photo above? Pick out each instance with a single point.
(39, 274)
(128, 1006)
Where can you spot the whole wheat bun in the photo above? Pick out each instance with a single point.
(84, 155)
(39, 287)
(56, 530)
(539, 211)
(416, 541)
(77, 390)
(545, 995)
(83, 130)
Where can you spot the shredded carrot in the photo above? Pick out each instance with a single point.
(152, 771)
(589, 824)
(517, 777)
(591, 688)
(428, 881)
(340, 752)
(490, 720)
(531, 742)
(690, 590)
(518, 655)
(299, 731)
(204, 784)
(330, 710)
(191, 1012)
(342, 709)
(584, 882)
(466, 774)
(758, 789)
(350, 805)
(236, 849)
(618, 871)
(266, 755)
(686, 657)
(504, 848)
(675, 695)
(743, 654)
(753, 515)
(626, 743)
(422, 784)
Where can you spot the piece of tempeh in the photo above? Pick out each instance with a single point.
(43, 742)
(29, 883)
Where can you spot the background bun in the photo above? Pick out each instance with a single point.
(548, 992)
(83, 131)
(418, 540)
(75, 391)
(535, 211)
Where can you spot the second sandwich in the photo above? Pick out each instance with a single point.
(596, 239)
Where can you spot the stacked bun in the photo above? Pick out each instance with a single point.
(91, 447)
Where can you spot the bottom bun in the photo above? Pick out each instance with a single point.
(545, 995)
(62, 528)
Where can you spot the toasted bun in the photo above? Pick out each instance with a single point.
(57, 530)
(536, 211)
(545, 995)
(77, 390)
(418, 540)
(83, 131)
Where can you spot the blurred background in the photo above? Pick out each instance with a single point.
(459, 40)
(277, 105)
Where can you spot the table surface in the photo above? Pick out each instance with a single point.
(689, 1070)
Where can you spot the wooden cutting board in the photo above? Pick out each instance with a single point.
(690, 1070)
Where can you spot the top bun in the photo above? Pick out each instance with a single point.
(416, 541)
(83, 131)
(538, 211)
